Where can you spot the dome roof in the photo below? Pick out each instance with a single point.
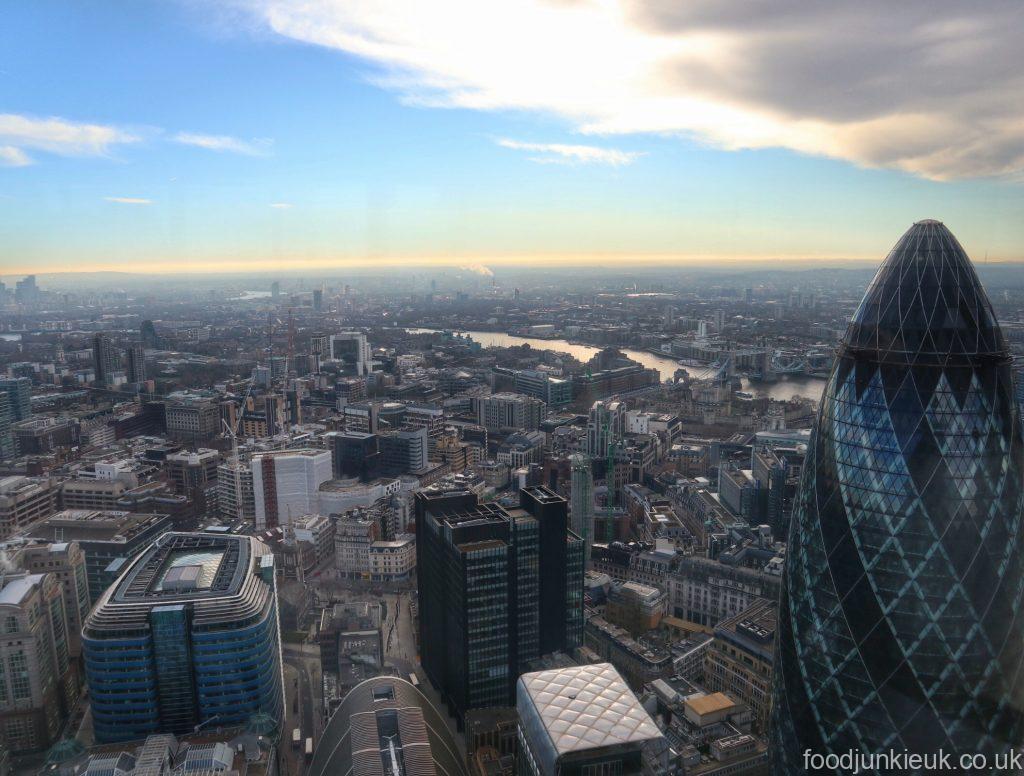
(925, 303)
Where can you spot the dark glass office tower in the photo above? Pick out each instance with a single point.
(498, 588)
(901, 622)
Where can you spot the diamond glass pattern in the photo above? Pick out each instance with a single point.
(583, 707)
(901, 622)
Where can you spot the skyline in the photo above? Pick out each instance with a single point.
(260, 136)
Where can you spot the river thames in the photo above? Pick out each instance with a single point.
(782, 389)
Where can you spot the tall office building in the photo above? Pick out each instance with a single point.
(19, 396)
(404, 452)
(66, 561)
(187, 636)
(354, 454)
(605, 426)
(39, 686)
(511, 410)
(286, 484)
(104, 358)
(581, 512)
(26, 290)
(498, 588)
(386, 726)
(901, 622)
(319, 345)
(136, 362)
(148, 335)
(584, 720)
(235, 499)
(351, 349)
(318, 299)
(7, 447)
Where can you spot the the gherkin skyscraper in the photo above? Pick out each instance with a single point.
(901, 624)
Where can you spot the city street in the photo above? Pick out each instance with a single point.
(303, 708)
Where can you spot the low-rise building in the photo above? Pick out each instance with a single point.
(353, 536)
(351, 646)
(316, 531)
(638, 663)
(393, 560)
(25, 501)
(635, 607)
(705, 591)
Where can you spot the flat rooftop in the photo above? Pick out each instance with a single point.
(182, 565)
(709, 704)
(90, 525)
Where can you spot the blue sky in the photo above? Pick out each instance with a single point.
(183, 136)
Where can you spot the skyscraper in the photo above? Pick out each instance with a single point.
(901, 620)
(136, 358)
(286, 484)
(40, 686)
(498, 588)
(19, 394)
(187, 635)
(104, 357)
(351, 349)
(581, 512)
(605, 426)
(7, 448)
(147, 333)
(354, 454)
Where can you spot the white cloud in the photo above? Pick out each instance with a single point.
(580, 154)
(14, 157)
(56, 136)
(129, 200)
(281, 205)
(931, 87)
(257, 147)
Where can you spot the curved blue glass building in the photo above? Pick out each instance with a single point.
(187, 635)
(901, 623)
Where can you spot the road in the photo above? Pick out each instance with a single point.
(303, 685)
(303, 698)
(399, 640)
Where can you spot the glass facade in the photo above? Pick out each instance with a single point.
(527, 589)
(489, 579)
(901, 623)
(172, 659)
(167, 666)
(122, 686)
(486, 621)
